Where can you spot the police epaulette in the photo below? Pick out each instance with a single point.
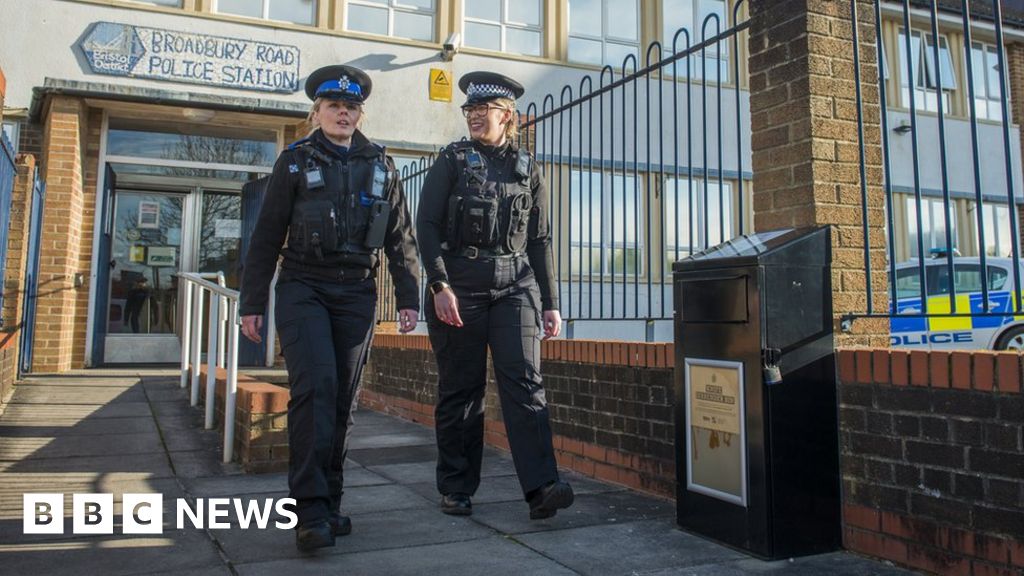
(299, 143)
(458, 146)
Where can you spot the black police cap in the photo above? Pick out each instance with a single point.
(484, 86)
(339, 82)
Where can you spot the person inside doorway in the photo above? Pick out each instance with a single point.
(137, 297)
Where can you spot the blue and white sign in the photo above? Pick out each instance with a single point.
(140, 52)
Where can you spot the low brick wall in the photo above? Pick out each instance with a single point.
(933, 459)
(610, 403)
(261, 421)
(8, 365)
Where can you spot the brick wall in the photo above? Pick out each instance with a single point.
(58, 317)
(804, 140)
(8, 367)
(610, 403)
(261, 421)
(933, 459)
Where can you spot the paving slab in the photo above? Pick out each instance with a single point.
(374, 531)
(834, 564)
(494, 556)
(14, 449)
(78, 411)
(368, 441)
(394, 455)
(116, 555)
(151, 465)
(91, 395)
(588, 510)
(645, 545)
(506, 488)
(426, 471)
(31, 428)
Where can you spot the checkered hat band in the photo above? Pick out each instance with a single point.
(488, 91)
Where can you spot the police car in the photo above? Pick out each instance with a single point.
(957, 332)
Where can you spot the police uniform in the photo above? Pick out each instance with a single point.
(483, 231)
(339, 207)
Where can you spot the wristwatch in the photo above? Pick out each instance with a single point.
(437, 287)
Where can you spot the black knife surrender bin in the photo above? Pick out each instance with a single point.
(757, 441)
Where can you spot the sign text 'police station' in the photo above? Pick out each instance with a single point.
(140, 52)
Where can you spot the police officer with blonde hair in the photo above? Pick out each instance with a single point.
(338, 199)
(485, 240)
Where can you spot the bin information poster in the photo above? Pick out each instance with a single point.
(715, 432)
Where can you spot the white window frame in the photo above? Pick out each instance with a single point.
(392, 7)
(701, 213)
(13, 129)
(925, 79)
(266, 13)
(505, 23)
(605, 38)
(933, 213)
(996, 233)
(612, 241)
(712, 52)
(178, 3)
(993, 102)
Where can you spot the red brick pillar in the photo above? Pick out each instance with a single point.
(63, 159)
(805, 146)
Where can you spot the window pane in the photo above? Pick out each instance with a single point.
(190, 147)
(622, 19)
(978, 67)
(484, 9)
(908, 283)
(252, 8)
(623, 210)
(524, 12)
(933, 223)
(616, 53)
(585, 18)
(968, 278)
(421, 4)
(677, 14)
(297, 11)
(915, 48)
(484, 36)
(709, 7)
(367, 19)
(585, 51)
(525, 42)
(677, 216)
(946, 65)
(173, 3)
(994, 91)
(414, 26)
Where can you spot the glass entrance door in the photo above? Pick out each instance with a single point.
(146, 255)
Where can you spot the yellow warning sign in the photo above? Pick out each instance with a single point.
(440, 85)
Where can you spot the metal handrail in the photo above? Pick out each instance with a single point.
(192, 320)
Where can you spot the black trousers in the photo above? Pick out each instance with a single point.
(325, 329)
(500, 307)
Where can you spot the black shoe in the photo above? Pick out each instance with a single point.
(546, 502)
(340, 525)
(313, 536)
(456, 504)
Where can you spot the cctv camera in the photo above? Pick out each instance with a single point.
(451, 47)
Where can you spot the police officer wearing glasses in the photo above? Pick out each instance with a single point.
(338, 199)
(485, 241)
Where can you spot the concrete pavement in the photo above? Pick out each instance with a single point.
(126, 431)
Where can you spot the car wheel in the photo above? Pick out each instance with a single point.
(1013, 339)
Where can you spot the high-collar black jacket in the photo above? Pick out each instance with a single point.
(431, 217)
(286, 183)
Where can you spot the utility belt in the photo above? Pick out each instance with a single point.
(335, 273)
(474, 253)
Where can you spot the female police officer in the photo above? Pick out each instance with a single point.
(484, 237)
(339, 200)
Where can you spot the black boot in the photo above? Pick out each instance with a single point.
(456, 504)
(313, 536)
(340, 525)
(546, 501)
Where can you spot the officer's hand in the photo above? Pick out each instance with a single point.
(446, 306)
(407, 320)
(552, 324)
(251, 326)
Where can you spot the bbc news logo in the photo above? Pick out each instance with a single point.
(144, 513)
